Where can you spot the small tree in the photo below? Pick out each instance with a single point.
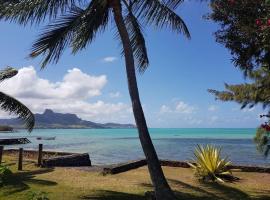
(245, 31)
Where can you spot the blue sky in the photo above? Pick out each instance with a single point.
(173, 90)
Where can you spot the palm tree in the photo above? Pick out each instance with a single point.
(75, 24)
(9, 104)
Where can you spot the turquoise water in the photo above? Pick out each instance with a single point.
(106, 146)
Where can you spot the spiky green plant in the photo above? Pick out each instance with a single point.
(209, 165)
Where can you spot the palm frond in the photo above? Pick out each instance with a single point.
(56, 37)
(76, 29)
(95, 20)
(161, 14)
(137, 41)
(7, 73)
(9, 104)
(34, 11)
(173, 4)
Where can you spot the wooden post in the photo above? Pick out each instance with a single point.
(20, 159)
(1, 153)
(40, 147)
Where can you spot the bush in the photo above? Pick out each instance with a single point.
(209, 165)
(5, 172)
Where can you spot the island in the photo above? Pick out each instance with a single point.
(53, 120)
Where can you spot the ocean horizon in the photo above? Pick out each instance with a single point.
(109, 146)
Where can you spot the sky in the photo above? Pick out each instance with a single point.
(93, 85)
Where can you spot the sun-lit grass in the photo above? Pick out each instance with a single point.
(73, 184)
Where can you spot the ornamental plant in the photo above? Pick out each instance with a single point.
(209, 166)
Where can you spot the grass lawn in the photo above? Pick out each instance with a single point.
(72, 184)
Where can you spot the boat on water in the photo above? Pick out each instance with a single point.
(45, 138)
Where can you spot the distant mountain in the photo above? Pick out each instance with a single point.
(50, 119)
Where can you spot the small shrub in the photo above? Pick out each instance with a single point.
(209, 165)
(5, 172)
(38, 195)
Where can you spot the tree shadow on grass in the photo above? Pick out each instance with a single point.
(233, 193)
(227, 191)
(198, 194)
(210, 191)
(203, 194)
(112, 195)
(19, 181)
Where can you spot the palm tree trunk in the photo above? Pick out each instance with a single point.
(162, 188)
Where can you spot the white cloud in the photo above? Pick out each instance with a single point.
(182, 107)
(213, 108)
(115, 94)
(109, 59)
(165, 109)
(179, 107)
(75, 85)
(71, 95)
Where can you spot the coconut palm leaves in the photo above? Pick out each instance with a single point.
(209, 164)
(34, 11)
(9, 104)
(75, 23)
(76, 29)
(137, 41)
(161, 14)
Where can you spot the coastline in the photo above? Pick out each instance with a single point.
(125, 166)
(110, 146)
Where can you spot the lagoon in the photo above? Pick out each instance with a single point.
(107, 146)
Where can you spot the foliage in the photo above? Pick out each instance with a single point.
(245, 31)
(209, 165)
(248, 94)
(9, 104)
(5, 172)
(38, 195)
(262, 139)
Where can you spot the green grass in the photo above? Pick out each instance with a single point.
(74, 184)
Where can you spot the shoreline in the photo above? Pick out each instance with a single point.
(125, 166)
(103, 145)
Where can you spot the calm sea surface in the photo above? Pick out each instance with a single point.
(106, 146)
